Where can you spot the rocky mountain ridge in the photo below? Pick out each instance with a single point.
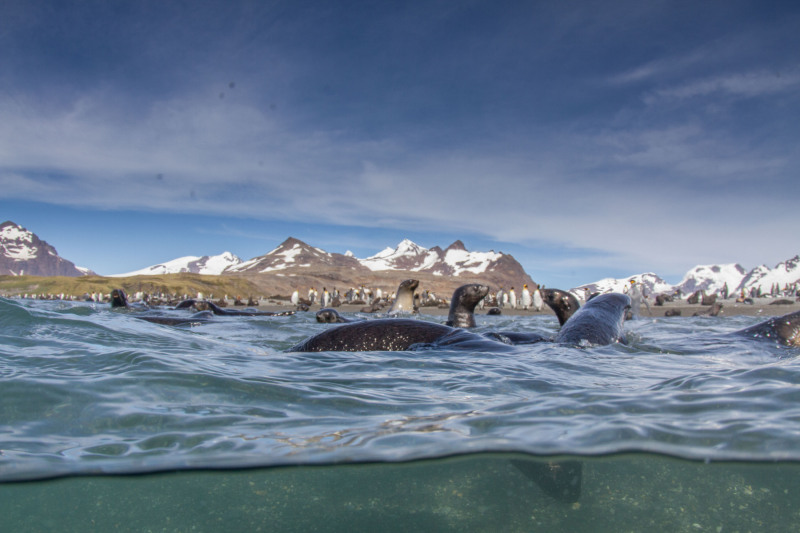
(23, 253)
(295, 264)
(710, 278)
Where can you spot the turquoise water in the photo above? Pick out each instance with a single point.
(109, 422)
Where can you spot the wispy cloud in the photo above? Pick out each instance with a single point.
(738, 85)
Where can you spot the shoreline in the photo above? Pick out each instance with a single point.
(760, 307)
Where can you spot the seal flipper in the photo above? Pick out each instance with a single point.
(559, 479)
(782, 329)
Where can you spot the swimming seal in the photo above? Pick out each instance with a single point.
(462, 305)
(462, 315)
(206, 305)
(119, 300)
(783, 330)
(395, 334)
(386, 334)
(404, 300)
(562, 303)
(598, 322)
(331, 316)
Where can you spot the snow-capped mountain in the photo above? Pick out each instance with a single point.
(452, 261)
(23, 253)
(294, 253)
(407, 256)
(210, 265)
(712, 278)
(785, 273)
(652, 285)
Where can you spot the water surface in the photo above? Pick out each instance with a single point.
(685, 411)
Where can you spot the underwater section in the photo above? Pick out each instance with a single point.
(479, 492)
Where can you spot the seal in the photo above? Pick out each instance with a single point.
(462, 305)
(327, 315)
(563, 303)
(206, 305)
(119, 300)
(404, 300)
(714, 310)
(462, 315)
(385, 334)
(598, 322)
(707, 299)
(395, 334)
(783, 330)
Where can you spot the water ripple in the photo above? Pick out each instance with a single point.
(86, 388)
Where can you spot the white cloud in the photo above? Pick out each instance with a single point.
(740, 85)
(629, 192)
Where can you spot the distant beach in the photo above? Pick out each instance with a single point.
(759, 307)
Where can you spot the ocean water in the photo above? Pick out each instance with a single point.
(108, 422)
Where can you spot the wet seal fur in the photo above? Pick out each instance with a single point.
(119, 300)
(206, 305)
(599, 321)
(385, 334)
(326, 315)
(782, 329)
(463, 303)
(563, 304)
(404, 299)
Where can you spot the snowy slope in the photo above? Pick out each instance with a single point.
(785, 272)
(209, 265)
(712, 278)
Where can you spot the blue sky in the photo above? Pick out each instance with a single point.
(588, 139)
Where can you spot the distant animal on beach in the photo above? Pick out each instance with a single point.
(708, 299)
(714, 310)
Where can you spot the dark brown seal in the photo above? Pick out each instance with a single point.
(463, 303)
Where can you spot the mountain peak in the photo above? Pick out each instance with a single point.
(291, 242)
(23, 253)
(457, 245)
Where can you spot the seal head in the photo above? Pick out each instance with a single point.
(462, 305)
(327, 315)
(561, 302)
(404, 301)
